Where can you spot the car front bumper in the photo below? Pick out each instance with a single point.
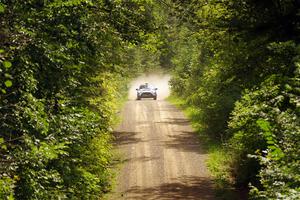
(146, 95)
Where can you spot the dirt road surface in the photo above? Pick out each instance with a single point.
(163, 159)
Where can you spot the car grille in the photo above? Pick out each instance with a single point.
(147, 94)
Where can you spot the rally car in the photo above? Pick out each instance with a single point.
(146, 91)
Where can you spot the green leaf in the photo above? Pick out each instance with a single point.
(269, 138)
(2, 145)
(1, 51)
(270, 142)
(7, 64)
(8, 83)
(2, 8)
(8, 76)
(264, 125)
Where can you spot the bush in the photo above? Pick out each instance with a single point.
(265, 127)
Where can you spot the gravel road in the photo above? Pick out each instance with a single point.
(163, 157)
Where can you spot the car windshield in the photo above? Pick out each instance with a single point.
(143, 86)
(146, 86)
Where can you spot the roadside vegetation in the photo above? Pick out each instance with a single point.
(64, 66)
(236, 66)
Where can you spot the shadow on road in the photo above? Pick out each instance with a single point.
(175, 121)
(185, 141)
(163, 158)
(141, 159)
(185, 188)
(125, 138)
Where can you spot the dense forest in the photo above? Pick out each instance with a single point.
(237, 66)
(65, 66)
(64, 69)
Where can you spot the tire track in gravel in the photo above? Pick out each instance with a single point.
(163, 158)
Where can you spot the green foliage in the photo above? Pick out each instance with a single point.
(6, 64)
(8, 83)
(266, 127)
(275, 152)
(236, 63)
(6, 185)
(64, 65)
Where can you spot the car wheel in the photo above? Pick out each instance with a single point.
(154, 98)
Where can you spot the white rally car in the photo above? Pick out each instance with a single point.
(146, 91)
